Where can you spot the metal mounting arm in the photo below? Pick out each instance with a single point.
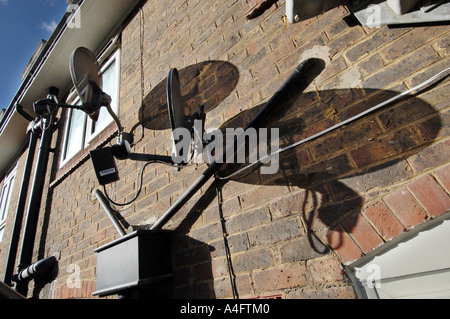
(151, 158)
(122, 151)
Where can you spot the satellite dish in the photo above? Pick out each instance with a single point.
(84, 71)
(177, 117)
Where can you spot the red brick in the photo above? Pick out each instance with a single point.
(406, 208)
(362, 232)
(346, 40)
(404, 67)
(385, 146)
(431, 156)
(372, 64)
(379, 38)
(202, 271)
(344, 246)
(247, 220)
(443, 175)
(90, 289)
(325, 270)
(261, 194)
(222, 286)
(253, 259)
(430, 195)
(57, 294)
(411, 41)
(292, 204)
(253, 3)
(258, 7)
(351, 137)
(302, 249)
(342, 292)
(286, 276)
(64, 292)
(284, 229)
(381, 217)
(219, 267)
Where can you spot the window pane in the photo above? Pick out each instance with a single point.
(3, 200)
(80, 129)
(75, 135)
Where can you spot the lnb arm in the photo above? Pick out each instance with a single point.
(122, 151)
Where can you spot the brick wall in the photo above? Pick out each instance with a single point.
(332, 201)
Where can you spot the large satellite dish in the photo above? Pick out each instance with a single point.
(84, 71)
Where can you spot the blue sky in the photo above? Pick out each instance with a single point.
(23, 23)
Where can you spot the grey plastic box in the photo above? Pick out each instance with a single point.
(132, 262)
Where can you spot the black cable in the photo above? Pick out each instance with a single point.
(141, 173)
(431, 81)
(227, 247)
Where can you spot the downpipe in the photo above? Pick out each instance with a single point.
(34, 205)
(40, 269)
(34, 132)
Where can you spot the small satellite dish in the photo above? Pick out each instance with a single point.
(84, 71)
(177, 116)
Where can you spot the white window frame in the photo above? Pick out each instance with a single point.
(64, 158)
(5, 199)
(414, 265)
(115, 58)
(73, 98)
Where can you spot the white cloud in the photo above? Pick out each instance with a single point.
(50, 27)
(4, 2)
(50, 3)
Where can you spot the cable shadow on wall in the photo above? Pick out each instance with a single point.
(358, 152)
(337, 168)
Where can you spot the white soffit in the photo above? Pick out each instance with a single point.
(415, 268)
(98, 19)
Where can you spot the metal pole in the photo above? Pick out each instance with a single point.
(103, 201)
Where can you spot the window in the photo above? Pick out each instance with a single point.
(415, 266)
(80, 129)
(4, 200)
